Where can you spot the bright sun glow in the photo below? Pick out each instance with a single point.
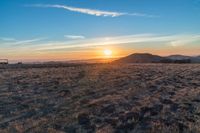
(107, 52)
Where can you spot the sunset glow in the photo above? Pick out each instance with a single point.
(107, 52)
(78, 31)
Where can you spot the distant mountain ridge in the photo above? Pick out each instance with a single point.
(140, 58)
(150, 58)
(178, 57)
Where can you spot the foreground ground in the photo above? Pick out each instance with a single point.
(101, 98)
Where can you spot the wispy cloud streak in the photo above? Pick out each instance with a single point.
(177, 40)
(14, 42)
(74, 37)
(185, 40)
(171, 40)
(94, 12)
(6, 39)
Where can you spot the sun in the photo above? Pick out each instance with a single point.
(107, 52)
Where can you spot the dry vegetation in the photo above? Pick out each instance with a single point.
(101, 98)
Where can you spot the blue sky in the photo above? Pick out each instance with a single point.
(76, 25)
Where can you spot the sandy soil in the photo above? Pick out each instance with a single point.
(101, 98)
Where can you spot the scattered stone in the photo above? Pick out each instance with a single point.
(133, 116)
(171, 93)
(64, 92)
(156, 109)
(70, 129)
(111, 121)
(174, 107)
(182, 127)
(156, 98)
(83, 119)
(166, 101)
(196, 100)
(125, 127)
(108, 109)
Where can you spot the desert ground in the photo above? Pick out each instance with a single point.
(101, 98)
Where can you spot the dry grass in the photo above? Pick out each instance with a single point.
(101, 98)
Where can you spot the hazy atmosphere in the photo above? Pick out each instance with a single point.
(40, 30)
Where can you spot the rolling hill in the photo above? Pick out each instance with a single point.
(140, 58)
(150, 58)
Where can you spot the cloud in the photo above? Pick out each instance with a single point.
(176, 40)
(94, 12)
(7, 39)
(170, 40)
(74, 37)
(142, 15)
(20, 42)
(186, 39)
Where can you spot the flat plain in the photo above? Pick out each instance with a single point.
(102, 98)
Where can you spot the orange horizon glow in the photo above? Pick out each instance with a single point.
(96, 53)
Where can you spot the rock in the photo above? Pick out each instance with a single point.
(108, 109)
(190, 118)
(182, 127)
(125, 105)
(132, 115)
(144, 110)
(23, 106)
(168, 121)
(64, 92)
(4, 125)
(189, 107)
(174, 107)
(57, 126)
(83, 119)
(70, 129)
(153, 88)
(166, 101)
(171, 93)
(134, 98)
(125, 127)
(196, 100)
(156, 109)
(111, 121)
(145, 123)
(84, 101)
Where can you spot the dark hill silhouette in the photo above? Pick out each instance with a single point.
(140, 58)
(196, 59)
(150, 58)
(178, 57)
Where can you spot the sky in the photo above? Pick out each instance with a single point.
(81, 29)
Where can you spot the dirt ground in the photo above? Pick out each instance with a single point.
(103, 98)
